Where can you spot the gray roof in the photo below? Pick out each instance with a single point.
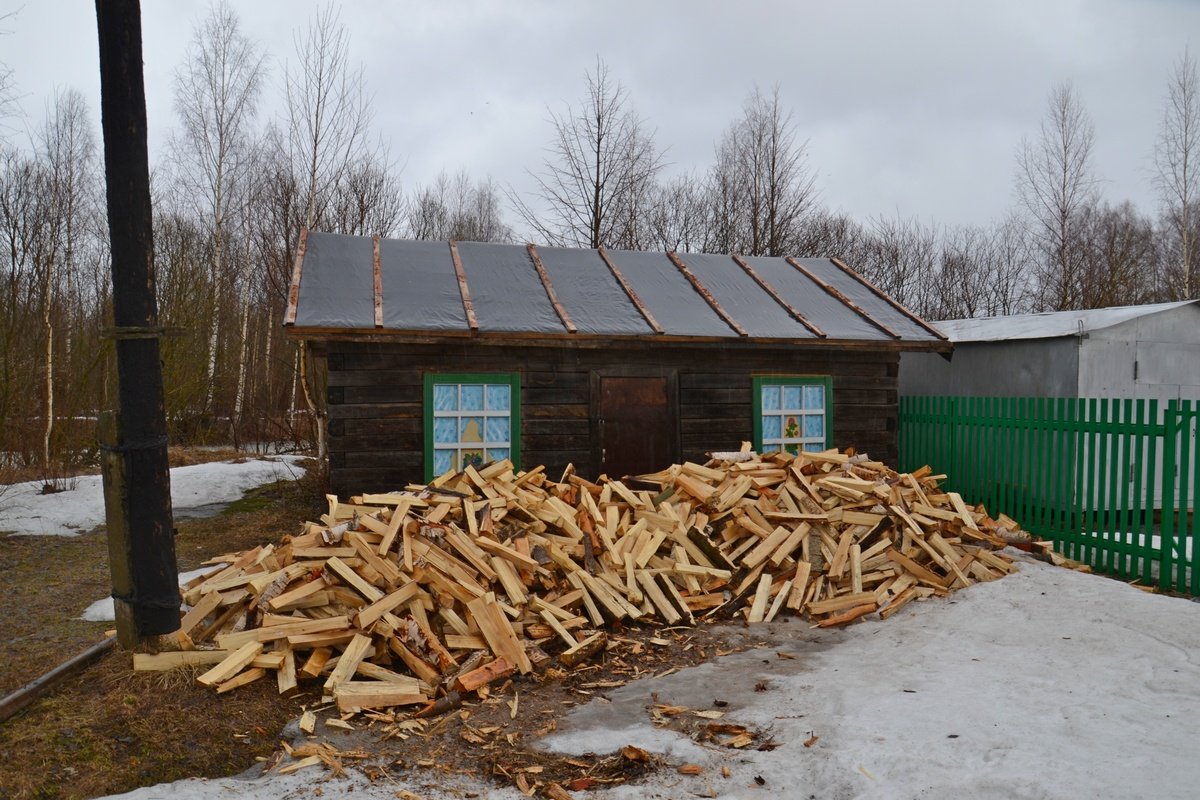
(1048, 325)
(357, 285)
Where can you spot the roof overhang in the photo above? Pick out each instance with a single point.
(588, 341)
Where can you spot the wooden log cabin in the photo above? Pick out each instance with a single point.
(431, 355)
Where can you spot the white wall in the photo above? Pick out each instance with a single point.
(1165, 348)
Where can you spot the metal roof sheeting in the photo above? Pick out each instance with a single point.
(1048, 325)
(614, 294)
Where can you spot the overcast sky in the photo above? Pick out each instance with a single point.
(914, 108)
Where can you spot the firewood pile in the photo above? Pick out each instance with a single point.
(417, 597)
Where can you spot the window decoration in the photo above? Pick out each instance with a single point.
(791, 413)
(470, 420)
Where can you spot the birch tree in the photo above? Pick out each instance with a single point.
(328, 124)
(68, 153)
(1177, 176)
(760, 187)
(1055, 182)
(594, 187)
(217, 89)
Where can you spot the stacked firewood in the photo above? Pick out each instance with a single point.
(398, 599)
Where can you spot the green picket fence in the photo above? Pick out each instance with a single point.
(1113, 483)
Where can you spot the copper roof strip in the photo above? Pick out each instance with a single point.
(846, 301)
(472, 323)
(289, 318)
(541, 271)
(769, 289)
(637, 301)
(702, 290)
(378, 282)
(888, 298)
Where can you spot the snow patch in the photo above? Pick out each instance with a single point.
(81, 508)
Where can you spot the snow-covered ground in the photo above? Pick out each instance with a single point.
(1046, 684)
(81, 508)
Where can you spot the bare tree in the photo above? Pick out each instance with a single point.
(216, 96)
(1008, 288)
(367, 201)
(8, 85)
(760, 187)
(1055, 183)
(1177, 175)
(68, 152)
(678, 215)
(595, 184)
(1119, 252)
(457, 208)
(329, 113)
(901, 257)
(832, 235)
(328, 122)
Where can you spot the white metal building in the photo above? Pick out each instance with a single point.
(1136, 352)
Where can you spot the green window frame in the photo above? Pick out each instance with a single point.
(792, 412)
(471, 418)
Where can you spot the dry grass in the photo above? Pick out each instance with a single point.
(109, 729)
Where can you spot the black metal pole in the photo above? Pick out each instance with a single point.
(141, 543)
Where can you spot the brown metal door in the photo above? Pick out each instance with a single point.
(637, 431)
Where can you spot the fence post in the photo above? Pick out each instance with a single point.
(1167, 528)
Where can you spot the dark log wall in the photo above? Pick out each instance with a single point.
(376, 416)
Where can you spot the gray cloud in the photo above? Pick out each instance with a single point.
(914, 108)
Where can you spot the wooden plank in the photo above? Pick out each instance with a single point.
(353, 579)
(291, 598)
(778, 298)
(633, 297)
(470, 641)
(549, 287)
(315, 664)
(285, 676)
(378, 281)
(840, 603)
(703, 291)
(349, 660)
(841, 297)
(359, 695)
(289, 316)
(249, 676)
(961, 507)
(849, 616)
(767, 547)
(498, 633)
(463, 290)
(654, 593)
(160, 662)
(368, 616)
(584, 650)
(507, 553)
(761, 595)
(232, 641)
(856, 578)
(419, 666)
(494, 670)
(375, 672)
(232, 664)
(838, 565)
(780, 597)
(799, 585)
(557, 626)
(918, 571)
